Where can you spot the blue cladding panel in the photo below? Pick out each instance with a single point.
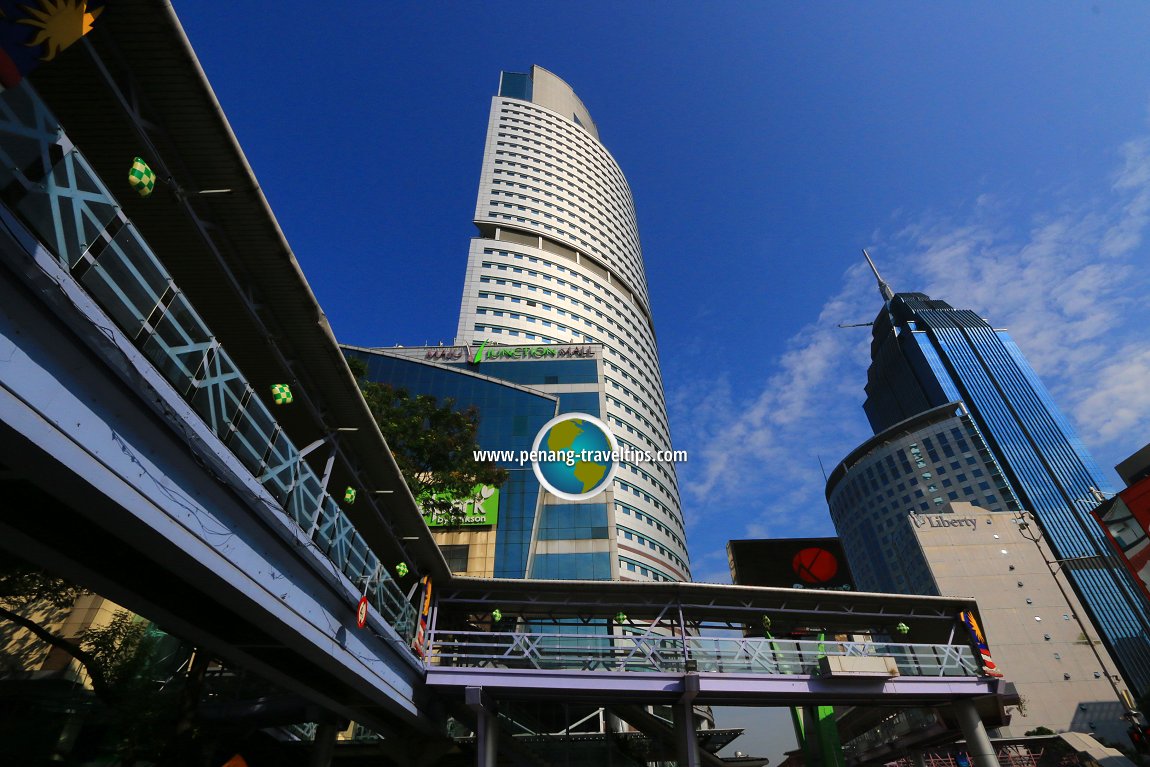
(581, 521)
(539, 372)
(580, 402)
(515, 85)
(929, 369)
(573, 567)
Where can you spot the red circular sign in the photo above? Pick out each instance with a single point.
(361, 613)
(815, 565)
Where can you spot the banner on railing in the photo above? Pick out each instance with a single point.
(419, 643)
(989, 667)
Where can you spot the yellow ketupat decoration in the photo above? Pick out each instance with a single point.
(142, 178)
(281, 393)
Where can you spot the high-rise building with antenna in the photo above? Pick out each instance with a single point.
(925, 354)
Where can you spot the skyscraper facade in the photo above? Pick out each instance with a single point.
(901, 476)
(925, 354)
(557, 261)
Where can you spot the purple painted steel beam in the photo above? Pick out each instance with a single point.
(607, 687)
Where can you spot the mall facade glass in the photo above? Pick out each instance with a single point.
(925, 354)
(538, 535)
(510, 417)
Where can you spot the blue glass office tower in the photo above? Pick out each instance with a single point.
(926, 353)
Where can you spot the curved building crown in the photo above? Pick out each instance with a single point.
(557, 261)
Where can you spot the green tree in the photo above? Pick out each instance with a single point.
(120, 658)
(433, 444)
(28, 596)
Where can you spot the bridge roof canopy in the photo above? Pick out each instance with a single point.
(803, 611)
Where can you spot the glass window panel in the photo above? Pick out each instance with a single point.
(304, 503)
(356, 568)
(283, 466)
(177, 347)
(219, 393)
(326, 527)
(254, 432)
(67, 209)
(24, 141)
(126, 280)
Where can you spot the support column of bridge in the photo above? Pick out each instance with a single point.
(686, 739)
(977, 743)
(323, 745)
(486, 726)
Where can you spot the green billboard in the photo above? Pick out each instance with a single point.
(482, 508)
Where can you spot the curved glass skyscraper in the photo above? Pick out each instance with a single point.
(557, 261)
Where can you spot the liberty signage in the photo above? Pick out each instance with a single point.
(943, 520)
(483, 353)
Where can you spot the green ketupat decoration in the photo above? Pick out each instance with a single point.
(401, 569)
(281, 393)
(902, 628)
(496, 615)
(141, 178)
(349, 495)
(620, 617)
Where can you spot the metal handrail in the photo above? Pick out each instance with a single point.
(70, 210)
(652, 653)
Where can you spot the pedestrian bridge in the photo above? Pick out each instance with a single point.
(590, 640)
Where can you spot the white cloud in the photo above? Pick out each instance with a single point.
(761, 453)
(1070, 284)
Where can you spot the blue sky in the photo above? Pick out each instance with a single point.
(997, 157)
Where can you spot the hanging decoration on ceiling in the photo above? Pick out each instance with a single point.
(349, 495)
(142, 178)
(281, 394)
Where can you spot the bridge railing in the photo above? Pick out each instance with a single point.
(650, 653)
(53, 189)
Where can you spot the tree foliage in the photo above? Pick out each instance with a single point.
(120, 657)
(433, 443)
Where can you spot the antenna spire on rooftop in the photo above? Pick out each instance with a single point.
(883, 287)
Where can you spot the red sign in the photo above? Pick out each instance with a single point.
(361, 613)
(815, 565)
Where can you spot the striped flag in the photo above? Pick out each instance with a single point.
(989, 667)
